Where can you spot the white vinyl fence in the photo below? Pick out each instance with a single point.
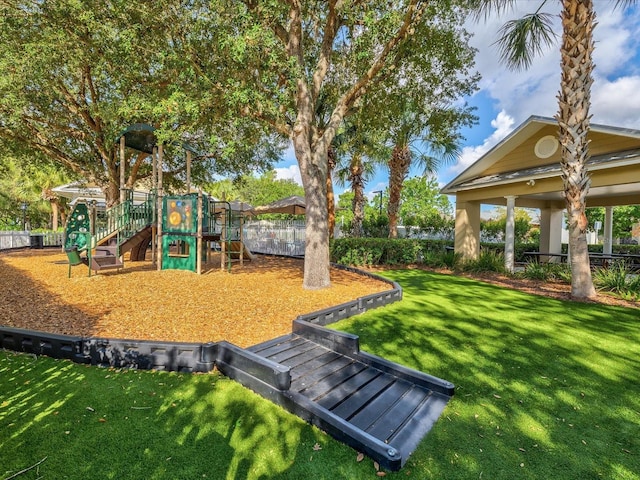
(25, 239)
(276, 237)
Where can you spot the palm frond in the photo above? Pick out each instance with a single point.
(484, 8)
(521, 40)
(624, 3)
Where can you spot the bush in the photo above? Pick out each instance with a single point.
(618, 279)
(390, 251)
(535, 271)
(547, 271)
(488, 261)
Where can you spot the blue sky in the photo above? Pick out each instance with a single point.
(507, 98)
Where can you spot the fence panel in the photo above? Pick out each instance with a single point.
(276, 237)
(17, 239)
(14, 239)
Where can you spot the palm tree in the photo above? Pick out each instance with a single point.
(416, 143)
(358, 151)
(520, 40)
(356, 170)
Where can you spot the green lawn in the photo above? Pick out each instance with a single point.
(545, 389)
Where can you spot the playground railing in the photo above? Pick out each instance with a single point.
(112, 220)
(139, 217)
(125, 218)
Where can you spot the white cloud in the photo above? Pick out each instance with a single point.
(617, 102)
(503, 125)
(533, 91)
(291, 172)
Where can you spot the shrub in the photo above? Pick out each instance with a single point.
(536, 271)
(488, 261)
(386, 251)
(617, 279)
(547, 271)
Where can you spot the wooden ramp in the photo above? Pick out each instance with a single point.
(377, 407)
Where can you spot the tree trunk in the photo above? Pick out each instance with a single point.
(357, 187)
(55, 213)
(578, 20)
(398, 170)
(331, 205)
(313, 169)
(316, 250)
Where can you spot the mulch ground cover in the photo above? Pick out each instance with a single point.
(251, 304)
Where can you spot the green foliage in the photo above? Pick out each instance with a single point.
(387, 251)
(27, 181)
(618, 278)
(487, 261)
(547, 271)
(624, 218)
(266, 188)
(375, 225)
(423, 205)
(255, 190)
(522, 226)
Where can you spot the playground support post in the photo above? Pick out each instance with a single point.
(241, 237)
(159, 209)
(199, 238)
(188, 181)
(154, 186)
(223, 238)
(122, 167)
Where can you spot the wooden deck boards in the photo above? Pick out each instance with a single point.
(390, 408)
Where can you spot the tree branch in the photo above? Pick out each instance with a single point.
(330, 31)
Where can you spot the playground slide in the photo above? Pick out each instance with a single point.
(236, 246)
(137, 244)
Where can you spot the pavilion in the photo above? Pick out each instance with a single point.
(524, 170)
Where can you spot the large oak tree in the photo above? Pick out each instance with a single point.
(281, 57)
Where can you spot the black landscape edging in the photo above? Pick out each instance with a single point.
(179, 356)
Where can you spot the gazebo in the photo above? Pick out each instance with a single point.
(524, 170)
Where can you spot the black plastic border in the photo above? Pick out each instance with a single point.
(184, 357)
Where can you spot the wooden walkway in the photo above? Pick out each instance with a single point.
(379, 408)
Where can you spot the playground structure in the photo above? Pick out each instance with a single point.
(182, 230)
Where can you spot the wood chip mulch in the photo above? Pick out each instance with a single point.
(251, 304)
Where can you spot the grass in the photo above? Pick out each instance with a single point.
(545, 389)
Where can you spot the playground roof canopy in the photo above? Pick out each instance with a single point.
(293, 205)
(142, 137)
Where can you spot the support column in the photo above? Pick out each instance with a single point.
(467, 233)
(608, 231)
(551, 232)
(154, 191)
(122, 168)
(199, 237)
(159, 208)
(188, 181)
(509, 234)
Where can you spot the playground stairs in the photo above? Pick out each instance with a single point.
(120, 229)
(106, 257)
(378, 407)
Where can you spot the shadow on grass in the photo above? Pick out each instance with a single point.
(90, 422)
(545, 388)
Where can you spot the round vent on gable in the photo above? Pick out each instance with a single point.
(546, 146)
